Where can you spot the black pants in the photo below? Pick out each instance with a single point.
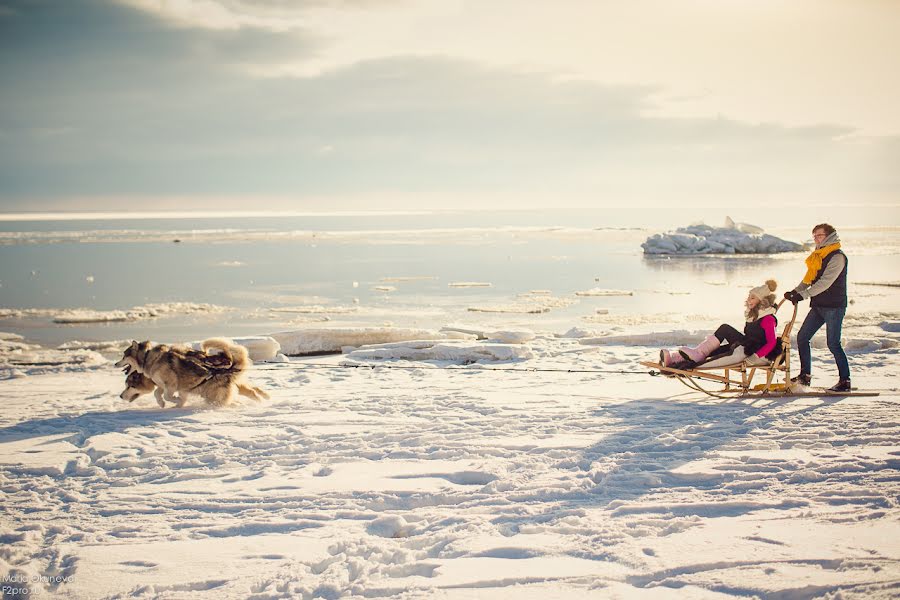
(731, 336)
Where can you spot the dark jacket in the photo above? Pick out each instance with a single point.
(755, 338)
(836, 294)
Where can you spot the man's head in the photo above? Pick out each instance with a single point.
(820, 232)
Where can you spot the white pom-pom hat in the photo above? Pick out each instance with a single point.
(764, 290)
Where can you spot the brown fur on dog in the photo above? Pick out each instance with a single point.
(177, 372)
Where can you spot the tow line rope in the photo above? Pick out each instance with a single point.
(277, 367)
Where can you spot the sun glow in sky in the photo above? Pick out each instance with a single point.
(397, 104)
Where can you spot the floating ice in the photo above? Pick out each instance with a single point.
(96, 316)
(603, 292)
(734, 238)
(467, 284)
(138, 313)
(524, 309)
(530, 303)
(544, 299)
(316, 309)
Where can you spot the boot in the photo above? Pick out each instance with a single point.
(802, 379)
(667, 358)
(843, 385)
(701, 351)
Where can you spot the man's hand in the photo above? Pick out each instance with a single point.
(793, 296)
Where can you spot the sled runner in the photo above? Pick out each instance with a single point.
(737, 380)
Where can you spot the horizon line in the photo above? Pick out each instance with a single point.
(210, 214)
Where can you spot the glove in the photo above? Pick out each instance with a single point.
(793, 296)
(755, 360)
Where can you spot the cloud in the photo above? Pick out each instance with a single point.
(106, 101)
(272, 15)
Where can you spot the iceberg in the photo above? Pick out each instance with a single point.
(733, 238)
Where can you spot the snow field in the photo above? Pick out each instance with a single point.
(454, 483)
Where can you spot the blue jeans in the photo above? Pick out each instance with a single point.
(832, 318)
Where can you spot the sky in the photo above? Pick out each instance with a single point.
(146, 105)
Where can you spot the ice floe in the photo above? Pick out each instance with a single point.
(524, 309)
(529, 303)
(316, 309)
(86, 315)
(604, 292)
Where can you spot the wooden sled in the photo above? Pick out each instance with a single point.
(700, 379)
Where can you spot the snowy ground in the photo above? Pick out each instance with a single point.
(453, 483)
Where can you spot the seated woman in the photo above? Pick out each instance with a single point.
(757, 345)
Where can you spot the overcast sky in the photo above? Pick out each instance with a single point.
(387, 104)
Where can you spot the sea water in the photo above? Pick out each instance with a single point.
(256, 267)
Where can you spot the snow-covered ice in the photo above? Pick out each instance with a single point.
(465, 353)
(454, 482)
(331, 340)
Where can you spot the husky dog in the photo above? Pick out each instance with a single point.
(138, 384)
(177, 372)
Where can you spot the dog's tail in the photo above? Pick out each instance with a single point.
(237, 355)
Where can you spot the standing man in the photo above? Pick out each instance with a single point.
(825, 284)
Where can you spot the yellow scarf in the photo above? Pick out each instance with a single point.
(814, 261)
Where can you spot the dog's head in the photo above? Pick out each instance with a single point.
(136, 384)
(133, 358)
